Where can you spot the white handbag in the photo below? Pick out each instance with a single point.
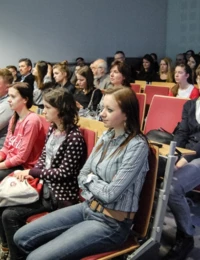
(15, 192)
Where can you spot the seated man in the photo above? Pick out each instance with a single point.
(186, 178)
(180, 59)
(120, 56)
(25, 68)
(80, 61)
(101, 78)
(6, 79)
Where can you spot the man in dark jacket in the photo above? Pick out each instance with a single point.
(25, 68)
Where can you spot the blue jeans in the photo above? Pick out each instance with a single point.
(184, 180)
(71, 233)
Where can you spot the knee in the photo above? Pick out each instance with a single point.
(18, 239)
(176, 187)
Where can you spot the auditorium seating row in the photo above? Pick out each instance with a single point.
(164, 112)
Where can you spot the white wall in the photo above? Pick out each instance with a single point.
(183, 26)
(64, 29)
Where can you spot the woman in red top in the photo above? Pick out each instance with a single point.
(183, 88)
(25, 137)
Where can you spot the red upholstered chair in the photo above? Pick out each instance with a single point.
(36, 216)
(165, 112)
(136, 87)
(155, 90)
(142, 104)
(90, 137)
(142, 217)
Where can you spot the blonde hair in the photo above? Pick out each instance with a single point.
(170, 75)
(198, 71)
(63, 67)
(6, 75)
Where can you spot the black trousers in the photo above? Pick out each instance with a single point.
(12, 219)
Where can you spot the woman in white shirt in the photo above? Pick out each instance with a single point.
(183, 88)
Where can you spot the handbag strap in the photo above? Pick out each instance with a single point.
(91, 99)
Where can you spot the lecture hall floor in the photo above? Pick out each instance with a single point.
(169, 231)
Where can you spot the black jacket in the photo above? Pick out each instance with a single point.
(188, 132)
(29, 79)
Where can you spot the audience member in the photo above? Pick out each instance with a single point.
(111, 181)
(193, 63)
(73, 79)
(155, 59)
(88, 96)
(25, 67)
(180, 59)
(186, 178)
(120, 56)
(165, 71)
(188, 54)
(25, 136)
(198, 76)
(183, 88)
(101, 78)
(14, 72)
(61, 75)
(6, 80)
(147, 72)
(64, 144)
(80, 62)
(42, 74)
(120, 74)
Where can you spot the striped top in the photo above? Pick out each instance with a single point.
(117, 180)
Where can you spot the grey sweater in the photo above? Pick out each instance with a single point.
(5, 115)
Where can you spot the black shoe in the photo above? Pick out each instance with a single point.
(181, 249)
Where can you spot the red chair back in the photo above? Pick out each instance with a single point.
(90, 137)
(45, 124)
(142, 104)
(155, 90)
(164, 112)
(136, 87)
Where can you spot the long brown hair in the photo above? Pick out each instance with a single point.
(128, 103)
(25, 92)
(124, 69)
(66, 105)
(86, 72)
(42, 67)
